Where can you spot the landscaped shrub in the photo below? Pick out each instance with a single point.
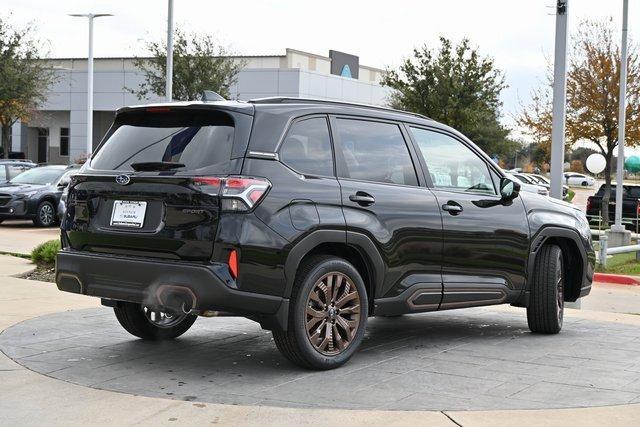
(46, 252)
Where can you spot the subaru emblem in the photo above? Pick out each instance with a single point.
(123, 179)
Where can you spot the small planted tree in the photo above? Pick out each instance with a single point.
(199, 64)
(593, 91)
(456, 86)
(24, 78)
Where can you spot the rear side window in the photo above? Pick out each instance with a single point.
(307, 147)
(374, 151)
(201, 140)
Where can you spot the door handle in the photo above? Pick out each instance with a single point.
(452, 207)
(362, 198)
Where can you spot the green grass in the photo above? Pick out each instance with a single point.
(621, 264)
(16, 254)
(46, 252)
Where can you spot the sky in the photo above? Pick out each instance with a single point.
(517, 34)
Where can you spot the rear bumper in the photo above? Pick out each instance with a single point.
(154, 282)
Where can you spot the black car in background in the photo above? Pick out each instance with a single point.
(630, 206)
(308, 217)
(34, 194)
(9, 169)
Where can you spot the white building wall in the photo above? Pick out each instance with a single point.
(296, 74)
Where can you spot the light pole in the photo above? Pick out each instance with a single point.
(90, 17)
(621, 118)
(559, 99)
(169, 77)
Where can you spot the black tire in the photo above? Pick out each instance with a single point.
(296, 343)
(45, 215)
(545, 311)
(585, 184)
(133, 319)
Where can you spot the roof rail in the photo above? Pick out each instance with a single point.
(293, 100)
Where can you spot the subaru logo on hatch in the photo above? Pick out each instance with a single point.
(123, 179)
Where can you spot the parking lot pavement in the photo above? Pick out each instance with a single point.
(613, 299)
(28, 397)
(582, 193)
(22, 236)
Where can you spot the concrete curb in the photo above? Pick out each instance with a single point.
(616, 279)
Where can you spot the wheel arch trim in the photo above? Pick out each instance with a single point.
(549, 232)
(357, 241)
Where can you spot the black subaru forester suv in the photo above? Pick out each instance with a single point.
(308, 217)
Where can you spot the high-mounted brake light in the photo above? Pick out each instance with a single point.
(158, 110)
(238, 193)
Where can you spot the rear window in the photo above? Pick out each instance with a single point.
(201, 140)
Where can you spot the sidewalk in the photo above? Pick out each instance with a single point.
(22, 236)
(27, 397)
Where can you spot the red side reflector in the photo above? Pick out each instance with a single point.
(158, 110)
(233, 263)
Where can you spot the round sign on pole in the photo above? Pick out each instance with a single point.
(632, 164)
(596, 163)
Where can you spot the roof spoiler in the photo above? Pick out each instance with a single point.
(211, 96)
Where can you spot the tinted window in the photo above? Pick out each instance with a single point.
(375, 151)
(64, 141)
(452, 165)
(307, 147)
(633, 192)
(42, 175)
(202, 141)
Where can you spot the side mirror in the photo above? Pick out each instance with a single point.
(63, 184)
(508, 189)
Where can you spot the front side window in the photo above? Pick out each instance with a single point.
(374, 151)
(15, 170)
(452, 165)
(307, 147)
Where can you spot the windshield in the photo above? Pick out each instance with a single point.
(200, 141)
(39, 176)
(543, 179)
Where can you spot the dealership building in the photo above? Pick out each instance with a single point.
(58, 132)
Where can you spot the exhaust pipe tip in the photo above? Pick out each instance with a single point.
(177, 298)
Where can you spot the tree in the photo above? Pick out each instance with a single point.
(24, 78)
(455, 86)
(199, 64)
(593, 84)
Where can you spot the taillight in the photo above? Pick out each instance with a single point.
(638, 207)
(589, 203)
(238, 193)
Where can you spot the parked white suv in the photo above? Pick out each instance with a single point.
(525, 185)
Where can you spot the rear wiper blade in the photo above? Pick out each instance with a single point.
(156, 166)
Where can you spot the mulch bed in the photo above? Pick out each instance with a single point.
(43, 273)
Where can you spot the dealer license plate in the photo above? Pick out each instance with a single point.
(127, 213)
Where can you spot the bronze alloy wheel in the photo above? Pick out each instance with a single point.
(162, 319)
(332, 313)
